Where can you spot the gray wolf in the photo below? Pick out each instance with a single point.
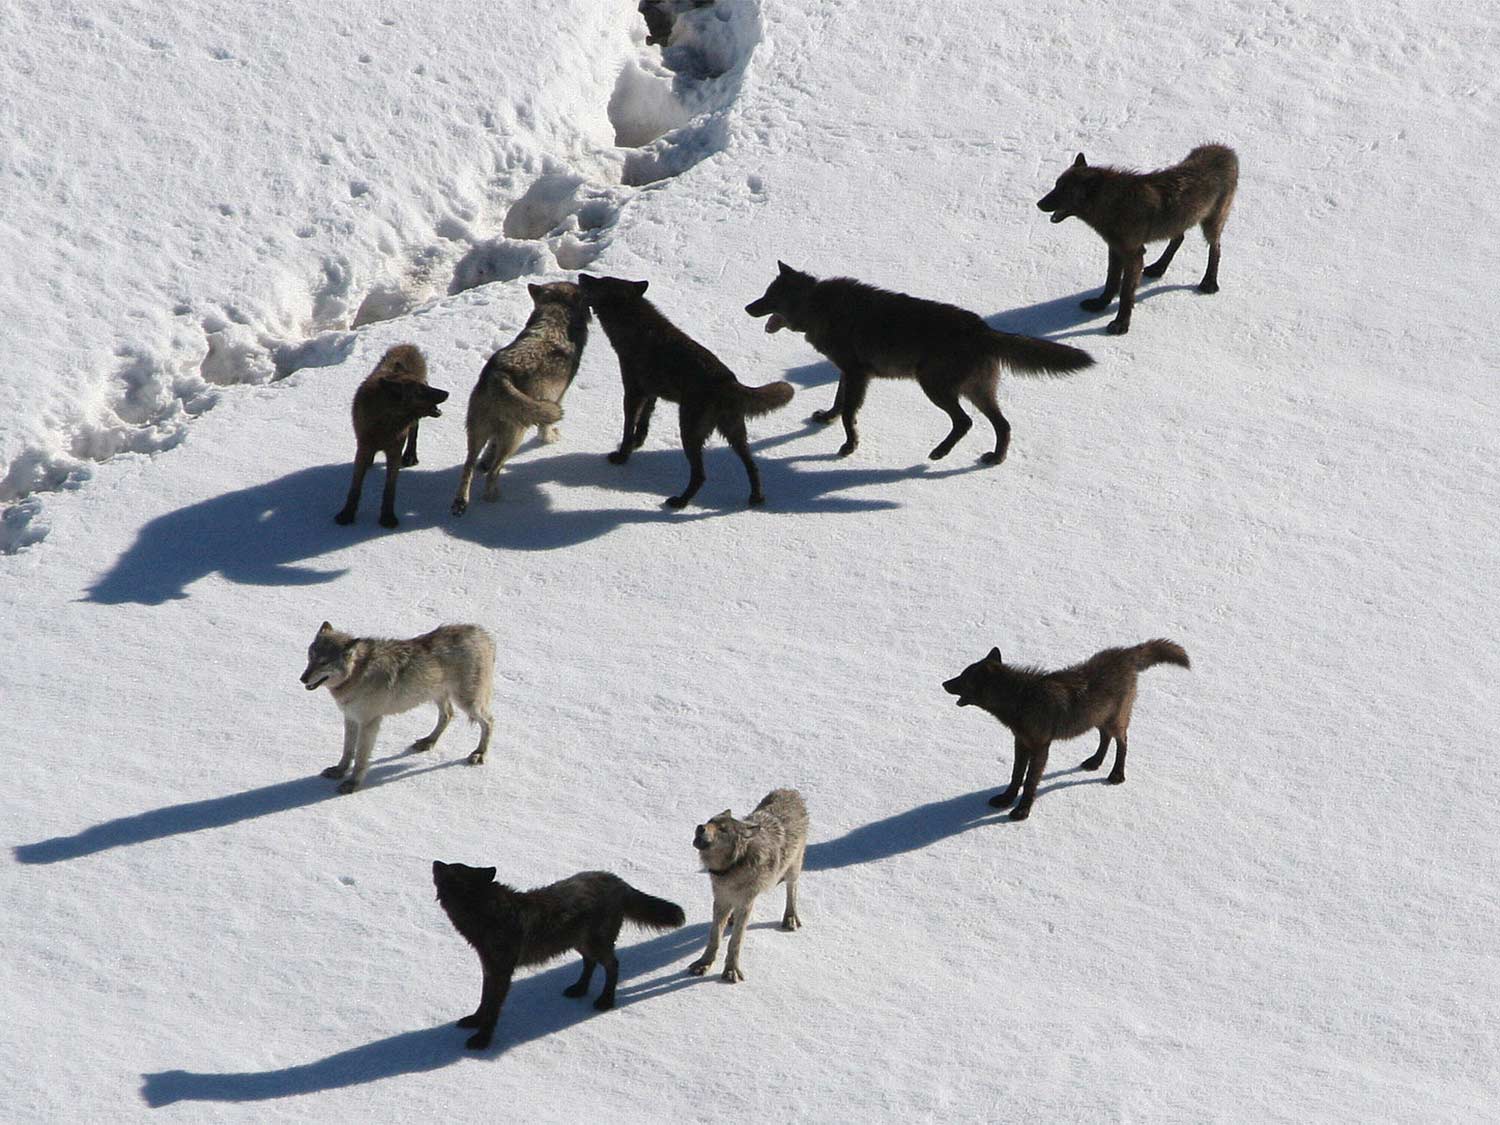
(744, 858)
(510, 928)
(387, 407)
(1129, 209)
(522, 385)
(370, 678)
(659, 360)
(869, 332)
(1038, 707)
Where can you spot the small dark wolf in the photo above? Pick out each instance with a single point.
(522, 385)
(510, 929)
(387, 407)
(1040, 706)
(1130, 209)
(659, 360)
(949, 351)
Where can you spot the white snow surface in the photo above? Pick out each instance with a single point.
(217, 218)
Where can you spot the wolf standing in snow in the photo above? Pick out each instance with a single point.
(387, 408)
(510, 929)
(659, 360)
(370, 678)
(1038, 707)
(1130, 209)
(522, 385)
(745, 858)
(868, 332)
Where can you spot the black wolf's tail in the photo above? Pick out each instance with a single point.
(525, 409)
(652, 912)
(1031, 355)
(1160, 652)
(754, 401)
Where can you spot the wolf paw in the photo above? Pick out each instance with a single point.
(677, 501)
(847, 448)
(1115, 779)
(699, 967)
(459, 507)
(335, 771)
(1095, 304)
(471, 1020)
(1092, 762)
(389, 521)
(420, 746)
(619, 457)
(408, 460)
(344, 518)
(939, 451)
(791, 922)
(1020, 812)
(993, 457)
(574, 991)
(1003, 799)
(476, 759)
(1208, 287)
(732, 975)
(604, 1003)
(1117, 327)
(479, 1040)
(823, 417)
(756, 498)
(348, 786)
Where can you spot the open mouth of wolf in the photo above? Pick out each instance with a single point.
(316, 684)
(952, 688)
(775, 323)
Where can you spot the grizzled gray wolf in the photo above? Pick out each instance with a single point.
(744, 858)
(659, 360)
(522, 385)
(1129, 209)
(387, 407)
(1039, 706)
(510, 929)
(868, 332)
(370, 678)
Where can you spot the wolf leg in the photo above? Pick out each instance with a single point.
(491, 1000)
(486, 724)
(1159, 267)
(643, 422)
(715, 929)
(367, 732)
(364, 457)
(733, 429)
(351, 739)
(695, 426)
(983, 398)
(1035, 764)
(388, 497)
(1111, 285)
(852, 389)
(581, 986)
(1117, 775)
(634, 400)
(409, 455)
(445, 716)
(1096, 759)
(826, 416)
(466, 477)
(606, 999)
(1130, 277)
(1006, 796)
(946, 399)
(1210, 282)
(733, 974)
(789, 919)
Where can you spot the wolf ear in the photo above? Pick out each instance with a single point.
(535, 290)
(726, 814)
(639, 287)
(1080, 162)
(995, 656)
(488, 873)
(325, 628)
(784, 268)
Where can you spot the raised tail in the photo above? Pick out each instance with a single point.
(522, 408)
(754, 401)
(1160, 652)
(1031, 355)
(652, 912)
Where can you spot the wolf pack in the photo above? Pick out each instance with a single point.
(867, 333)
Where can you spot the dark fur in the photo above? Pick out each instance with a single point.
(510, 929)
(1039, 706)
(386, 408)
(869, 332)
(659, 360)
(1130, 209)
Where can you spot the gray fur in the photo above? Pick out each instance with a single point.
(745, 858)
(522, 385)
(370, 678)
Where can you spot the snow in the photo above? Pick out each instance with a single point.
(216, 223)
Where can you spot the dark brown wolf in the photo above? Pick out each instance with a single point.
(387, 406)
(659, 360)
(510, 929)
(522, 385)
(1129, 209)
(1039, 706)
(951, 352)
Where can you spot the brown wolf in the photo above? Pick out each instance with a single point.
(1129, 209)
(387, 406)
(659, 360)
(1039, 706)
(510, 929)
(950, 351)
(522, 385)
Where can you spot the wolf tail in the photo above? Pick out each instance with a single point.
(652, 912)
(524, 409)
(754, 401)
(1031, 355)
(1160, 652)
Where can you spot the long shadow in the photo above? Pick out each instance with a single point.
(534, 1009)
(215, 812)
(1060, 317)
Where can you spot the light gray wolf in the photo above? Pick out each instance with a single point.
(1038, 707)
(868, 332)
(510, 929)
(370, 678)
(387, 407)
(1129, 209)
(522, 385)
(744, 858)
(659, 360)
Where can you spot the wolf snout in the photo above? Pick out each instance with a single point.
(698, 840)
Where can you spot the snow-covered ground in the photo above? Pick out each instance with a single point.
(217, 218)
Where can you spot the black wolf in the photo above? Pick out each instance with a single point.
(950, 351)
(659, 360)
(387, 407)
(1040, 706)
(510, 929)
(1129, 209)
